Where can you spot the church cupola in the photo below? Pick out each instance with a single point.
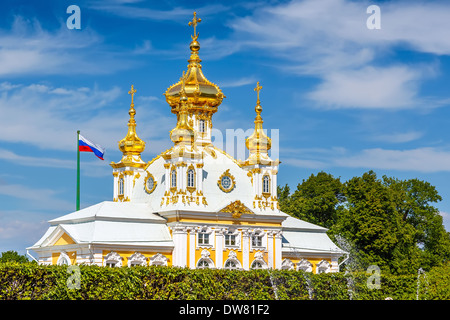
(131, 166)
(261, 169)
(258, 143)
(203, 97)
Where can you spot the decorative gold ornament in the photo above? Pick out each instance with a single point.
(237, 209)
(226, 181)
(182, 134)
(149, 183)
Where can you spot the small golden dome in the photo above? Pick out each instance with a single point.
(131, 144)
(258, 143)
(201, 93)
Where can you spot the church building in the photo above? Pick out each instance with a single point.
(193, 205)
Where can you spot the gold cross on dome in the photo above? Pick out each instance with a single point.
(132, 92)
(194, 23)
(257, 89)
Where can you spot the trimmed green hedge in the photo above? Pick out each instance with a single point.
(32, 281)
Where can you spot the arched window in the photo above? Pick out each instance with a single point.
(266, 184)
(256, 265)
(205, 261)
(232, 262)
(121, 186)
(202, 126)
(191, 178)
(63, 260)
(259, 262)
(202, 264)
(173, 176)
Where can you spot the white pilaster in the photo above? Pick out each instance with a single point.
(270, 256)
(180, 246)
(219, 248)
(278, 244)
(245, 249)
(192, 248)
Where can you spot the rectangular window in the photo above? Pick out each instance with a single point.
(256, 241)
(230, 240)
(203, 238)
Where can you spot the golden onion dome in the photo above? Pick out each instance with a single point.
(131, 144)
(201, 93)
(258, 143)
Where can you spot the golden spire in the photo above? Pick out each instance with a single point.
(203, 95)
(258, 143)
(131, 144)
(183, 133)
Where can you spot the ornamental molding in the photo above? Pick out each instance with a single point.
(236, 208)
(205, 254)
(149, 176)
(259, 255)
(287, 264)
(158, 259)
(113, 257)
(137, 258)
(232, 182)
(304, 265)
(232, 255)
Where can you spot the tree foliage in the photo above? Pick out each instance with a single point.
(12, 256)
(391, 223)
(40, 282)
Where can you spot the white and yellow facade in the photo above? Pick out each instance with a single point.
(193, 205)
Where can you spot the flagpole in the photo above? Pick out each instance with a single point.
(78, 170)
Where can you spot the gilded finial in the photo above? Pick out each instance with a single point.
(131, 144)
(194, 23)
(132, 92)
(258, 107)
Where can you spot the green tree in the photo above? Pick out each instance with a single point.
(12, 256)
(372, 223)
(413, 199)
(316, 200)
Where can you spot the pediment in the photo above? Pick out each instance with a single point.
(236, 208)
(59, 237)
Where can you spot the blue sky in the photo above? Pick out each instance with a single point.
(344, 99)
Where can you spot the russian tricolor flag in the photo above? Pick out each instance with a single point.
(88, 146)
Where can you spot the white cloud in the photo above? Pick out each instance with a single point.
(26, 48)
(177, 14)
(420, 159)
(392, 87)
(329, 39)
(398, 137)
(48, 117)
(238, 82)
(427, 159)
(45, 199)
